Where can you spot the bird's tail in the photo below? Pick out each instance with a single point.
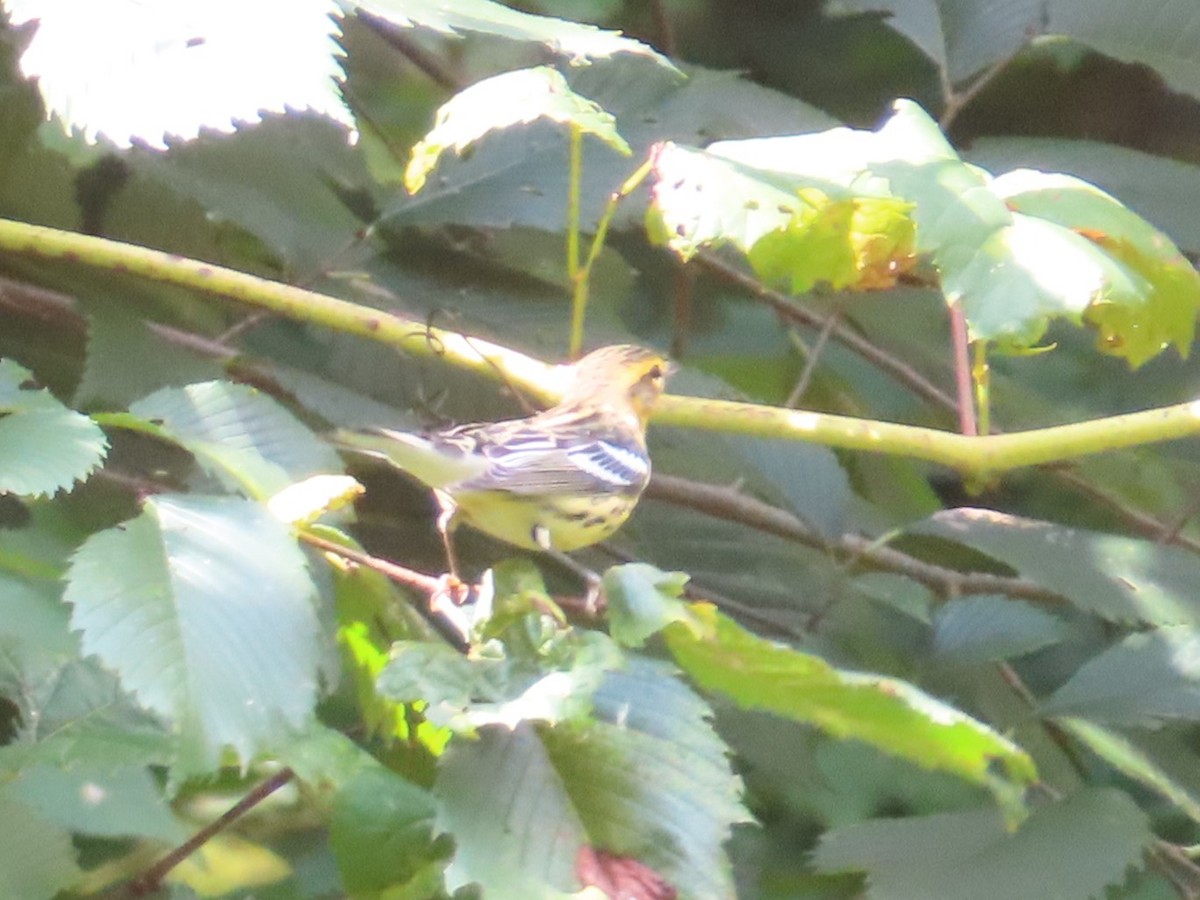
(417, 455)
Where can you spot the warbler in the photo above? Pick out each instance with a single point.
(555, 481)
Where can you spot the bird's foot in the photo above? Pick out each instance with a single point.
(594, 600)
(450, 589)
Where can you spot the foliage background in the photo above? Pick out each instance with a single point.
(1070, 630)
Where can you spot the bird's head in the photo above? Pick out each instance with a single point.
(621, 376)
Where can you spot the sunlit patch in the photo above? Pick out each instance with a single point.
(803, 421)
(93, 794)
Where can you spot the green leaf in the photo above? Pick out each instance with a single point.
(119, 331)
(98, 801)
(1152, 186)
(793, 232)
(770, 574)
(1155, 305)
(44, 447)
(884, 712)
(576, 41)
(32, 612)
(808, 477)
(39, 549)
(960, 38)
(841, 157)
(965, 38)
(381, 830)
(238, 434)
(1071, 850)
(992, 628)
(303, 168)
(1011, 250)
(515, 828)
(322, 756)
(642, 600)
(1152, 39)
(440, 676)
(465, 693)
(37, 859)
(519, 177)
(205, 608)
(502, 101)
(1030, 271)
(651, 779)
(1144, 680)
(203, 66)
(1132, 762)
(370, 618)
(74, 713)
(1121, 579)
(909, 597)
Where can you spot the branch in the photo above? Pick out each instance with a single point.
(405, 334)
(788, 308)
(151, 879)
(731, 505)
(980, 457)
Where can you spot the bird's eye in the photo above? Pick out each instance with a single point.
(656, 372)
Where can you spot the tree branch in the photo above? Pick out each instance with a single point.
(731, 505)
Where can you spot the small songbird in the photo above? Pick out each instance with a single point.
(556, 481)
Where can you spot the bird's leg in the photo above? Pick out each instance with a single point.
(454, 587)
(593, 599)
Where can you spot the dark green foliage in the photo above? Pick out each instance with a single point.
(894, 684)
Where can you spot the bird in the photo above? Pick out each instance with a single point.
(556, 481)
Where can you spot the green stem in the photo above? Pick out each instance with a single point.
(981, 378)
(582, 277)
(969, 455)
(407, 335)
(578, 283)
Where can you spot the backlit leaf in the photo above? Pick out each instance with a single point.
(44, 446)
(503, 101)
(217, 632)
(885, 712)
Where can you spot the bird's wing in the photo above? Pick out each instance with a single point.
(534, 461)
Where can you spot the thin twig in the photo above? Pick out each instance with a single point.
(441, 614)
(1177, 867)
(814, 355)
(955, 102)
(1143, 523)
(1138, 521)
(967, 423)
(789, 309)
(151, 879)
(401, 39)
(1170, 531)
(425, 583)
(730, 505)
(683, 294)
(1055, 732)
